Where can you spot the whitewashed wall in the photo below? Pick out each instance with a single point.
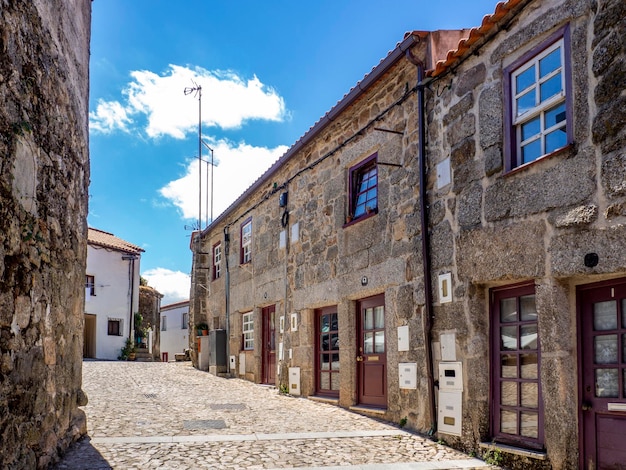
(175, 339)
(112, 297)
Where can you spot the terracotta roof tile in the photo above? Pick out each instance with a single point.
(108, 240)
(490, 25)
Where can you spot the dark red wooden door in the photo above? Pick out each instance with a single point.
(603, 394)
(327, 352)
(269, 345)
(371, 354)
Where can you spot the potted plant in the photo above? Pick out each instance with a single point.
(128, 351)
(203, 329)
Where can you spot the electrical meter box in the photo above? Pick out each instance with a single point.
(450, 376)
(408, 375)
(449, 412)
(294, 380)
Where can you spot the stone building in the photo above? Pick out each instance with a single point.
(445, 246)
(44, 73)
(150, 310)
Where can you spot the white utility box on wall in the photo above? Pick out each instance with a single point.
(450, 404)
(294, 380)
(403, 338)
(450, 413)
(451, 376)
(408, 375)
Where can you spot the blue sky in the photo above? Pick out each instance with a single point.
(268, 72)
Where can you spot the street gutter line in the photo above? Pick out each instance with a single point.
(243, 437)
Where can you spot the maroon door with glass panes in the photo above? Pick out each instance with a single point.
(602, 309)
(268, 315)
(327, 352)
(371, 354)
(516, 402)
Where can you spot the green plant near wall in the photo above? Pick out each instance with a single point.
(127, 350)
(493, 456)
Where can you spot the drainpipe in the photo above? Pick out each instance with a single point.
(227, 296)
(428, 301)
(131, 282)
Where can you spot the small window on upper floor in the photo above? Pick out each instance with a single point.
(90, 284)
(539, 102)
(245, 253)
(217, 261)
(363, 195)
(164, 323)
(185, 324)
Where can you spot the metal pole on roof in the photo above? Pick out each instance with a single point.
(197, 89)
(212, 163)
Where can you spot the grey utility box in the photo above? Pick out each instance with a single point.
(218, 362)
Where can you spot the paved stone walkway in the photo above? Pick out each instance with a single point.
(144, 415)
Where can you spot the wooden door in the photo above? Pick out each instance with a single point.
(269, 345)
(89, 336)
(371, 353)
(327, 352)
(602, 309)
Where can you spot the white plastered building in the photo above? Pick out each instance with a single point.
(174, 329)
(111, 294)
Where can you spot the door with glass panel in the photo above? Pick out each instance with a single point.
(268, 315)
(602, 309)
(327, 352)
(516, 404)
(371, 355)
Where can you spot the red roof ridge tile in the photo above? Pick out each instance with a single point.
(488, 27)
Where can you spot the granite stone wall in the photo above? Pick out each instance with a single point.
(495, 227)
(44, 175)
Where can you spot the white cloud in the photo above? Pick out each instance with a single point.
(174, 285)
(239, 167)
(227, 102)
(109, 116)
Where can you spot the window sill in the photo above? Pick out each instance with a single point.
(533, 454)
(361, 218)
(517, 169)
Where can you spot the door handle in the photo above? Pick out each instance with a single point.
(359, 358)
(586, 406)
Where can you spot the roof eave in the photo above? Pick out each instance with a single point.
(361, 87)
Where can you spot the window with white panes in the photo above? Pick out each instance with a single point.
(247, 322)
(539, 102)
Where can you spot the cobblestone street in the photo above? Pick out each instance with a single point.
(169, 415)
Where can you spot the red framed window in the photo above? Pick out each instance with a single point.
(538, 102)
(364, 188)
(245, 252)
(517, 405)
(217, 261)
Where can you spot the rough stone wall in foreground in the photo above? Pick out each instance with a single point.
(44, 175)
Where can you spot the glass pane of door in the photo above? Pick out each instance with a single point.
(605, 315)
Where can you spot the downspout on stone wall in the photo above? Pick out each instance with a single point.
(428, 324)
(227, 294)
